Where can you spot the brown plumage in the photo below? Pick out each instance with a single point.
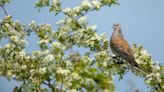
(120, 46)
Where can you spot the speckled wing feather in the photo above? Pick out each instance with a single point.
(121, 48)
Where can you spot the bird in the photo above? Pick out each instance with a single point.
(120, 47)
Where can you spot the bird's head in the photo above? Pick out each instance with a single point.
(116, 27)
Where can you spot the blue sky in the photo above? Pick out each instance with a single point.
(142, 23)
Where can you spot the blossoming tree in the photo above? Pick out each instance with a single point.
(53, 67)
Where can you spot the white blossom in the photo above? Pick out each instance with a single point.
(104, 64)
(163, 86)
(49, 57)
(68, 63)
(60, 22)
(7, 46)
(8, 16)
(17, 21)
(55, 1)
(91, 43)
(135, 54)
(148, 81)
(139, 61)
(144, 52)
(69, 21)
(42, 70)
(157, 74)
(23, 41)
(63, 71)
(86, 4)
(76, 9)
(93, 27)
(45, 52)
(68, 83)
(27, 57)
(156, 68)
(159, 79)
(14, 38)
(103, 37)
(86, 59)
(75, 76)
(105, 90)
(16, 65)
(58, 45)
(7, 25)
(14, 76)
(96, 4)
(97, 36)
(32, 71)
(107, 73)
(82, 19)
(73, 90)
(43, 41)
(23, 67)
(9, 73)
(67, 10)
(88, 80)
(22, 53)
(33, 22)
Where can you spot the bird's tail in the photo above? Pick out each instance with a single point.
(136, 66)
(133, 62)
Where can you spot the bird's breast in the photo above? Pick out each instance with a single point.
(113, 45)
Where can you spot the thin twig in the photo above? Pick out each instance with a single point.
(49, 85)
(159, 85)
(4, 10)
(140, 70)
(37, 89)
(61, 87)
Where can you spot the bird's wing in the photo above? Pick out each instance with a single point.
(123, 49)
(121, 46)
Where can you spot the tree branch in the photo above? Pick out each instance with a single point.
(49, 85)
(140, 71)
(4, 10)
(61, 85)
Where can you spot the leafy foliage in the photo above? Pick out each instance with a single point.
(60, 72)
(3, 2)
